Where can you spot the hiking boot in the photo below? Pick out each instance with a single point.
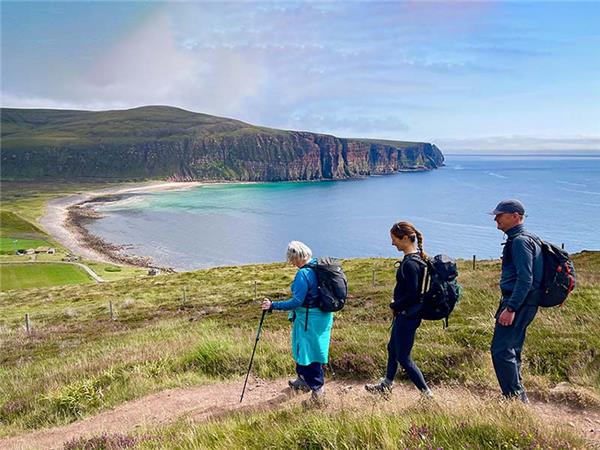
(427, 394)
(384, 387)
(316, 399)
(298, 385)
(318, 394)
(519, 395)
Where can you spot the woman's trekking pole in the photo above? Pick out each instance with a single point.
(253, 351)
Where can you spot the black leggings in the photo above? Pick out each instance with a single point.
(399, 347)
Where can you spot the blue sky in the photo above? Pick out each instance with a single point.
(465, 75)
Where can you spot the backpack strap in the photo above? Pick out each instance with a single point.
(313, 268)
(306, 320)
(426, 280)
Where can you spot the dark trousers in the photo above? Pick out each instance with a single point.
(312, 374)
(399, 347)
(506, 348)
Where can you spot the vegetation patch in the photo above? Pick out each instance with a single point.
(14, 225)
(78, 361)
(105, 441)
(9, 245)
(35, 275)
(471, 424)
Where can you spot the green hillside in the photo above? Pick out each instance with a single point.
(77, 361)
(160, 142)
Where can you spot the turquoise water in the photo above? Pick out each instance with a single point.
(247, 223)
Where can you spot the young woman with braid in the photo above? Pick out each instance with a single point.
(405, 307)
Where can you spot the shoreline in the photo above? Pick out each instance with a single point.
(65, 220)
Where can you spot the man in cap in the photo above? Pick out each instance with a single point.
(522, 270)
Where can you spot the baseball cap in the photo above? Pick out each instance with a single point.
(509, 206)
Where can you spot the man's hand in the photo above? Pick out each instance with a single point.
(506, 318)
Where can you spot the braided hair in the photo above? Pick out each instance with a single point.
(402, 229)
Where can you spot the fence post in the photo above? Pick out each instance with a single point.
(562, 245)
(255, 288)
(110, 309)
(27, 325)
(373, 279)
(474, 258)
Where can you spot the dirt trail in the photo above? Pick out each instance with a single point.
(214, 400)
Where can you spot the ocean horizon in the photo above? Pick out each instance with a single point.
(230, 224)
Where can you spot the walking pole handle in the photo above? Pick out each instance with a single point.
(262, 318)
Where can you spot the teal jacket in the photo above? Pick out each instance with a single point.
(310, 345)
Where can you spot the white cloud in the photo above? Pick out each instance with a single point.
(521, 143)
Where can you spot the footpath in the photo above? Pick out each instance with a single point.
(211, 401)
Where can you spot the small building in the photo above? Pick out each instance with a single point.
(42, 249)
(51, 251)
(21, 252)
(153, 271)
(30, 251)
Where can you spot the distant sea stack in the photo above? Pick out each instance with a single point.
(161, 142)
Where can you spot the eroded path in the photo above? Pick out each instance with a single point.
(214, 400)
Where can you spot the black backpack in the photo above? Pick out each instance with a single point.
(332, 286)
(558, 278)
(440, 291)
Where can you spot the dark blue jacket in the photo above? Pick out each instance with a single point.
(409, 278)
(522, 267)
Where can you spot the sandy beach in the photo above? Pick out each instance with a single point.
(65, 218)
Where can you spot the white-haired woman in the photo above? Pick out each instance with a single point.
(311, 327)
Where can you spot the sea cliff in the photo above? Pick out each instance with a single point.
(159, 142)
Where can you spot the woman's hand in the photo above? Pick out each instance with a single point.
(266, 304)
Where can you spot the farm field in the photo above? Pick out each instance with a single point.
(35, 275)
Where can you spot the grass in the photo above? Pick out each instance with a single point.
(31, 275)
(77, 361)
(468, 423)
(111, 272)
(8, 244)
(13, 225)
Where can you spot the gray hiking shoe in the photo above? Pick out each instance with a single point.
(519, 395)
(299, 385)
(317, 396)
(427, 394)
(384, 387)
(316, 399)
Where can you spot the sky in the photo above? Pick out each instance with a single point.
(505, 75)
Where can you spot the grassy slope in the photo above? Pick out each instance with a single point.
(77, 361)
(27, 129)
(468, 423)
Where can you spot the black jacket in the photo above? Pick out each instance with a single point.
(409, 277)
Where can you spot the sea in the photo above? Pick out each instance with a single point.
(231, 224)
